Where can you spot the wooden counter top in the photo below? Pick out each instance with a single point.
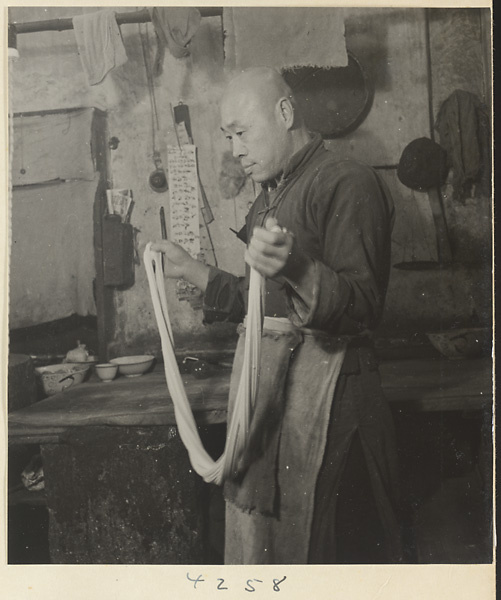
(438, 384)
(419, 384)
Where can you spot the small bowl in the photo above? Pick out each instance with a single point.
(133, 366)
(106, 371)
(57, 378)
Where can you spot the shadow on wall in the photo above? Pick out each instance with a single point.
(367, 37)
(450, 297)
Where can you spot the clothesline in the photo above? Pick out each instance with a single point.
(140, 16)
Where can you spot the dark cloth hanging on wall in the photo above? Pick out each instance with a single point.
(463, 126)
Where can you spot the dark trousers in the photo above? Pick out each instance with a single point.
(347, 529)
(346, 526)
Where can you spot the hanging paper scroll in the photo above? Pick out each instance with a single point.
(184, 209)
(183, 189)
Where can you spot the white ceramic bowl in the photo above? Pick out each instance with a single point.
(106, 371)
(133, 366)
(57, 378)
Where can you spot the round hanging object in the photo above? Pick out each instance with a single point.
(158, 181)
(423, 165)
(333, 101)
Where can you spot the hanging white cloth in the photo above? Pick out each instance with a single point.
(99, 43)
(238, 430)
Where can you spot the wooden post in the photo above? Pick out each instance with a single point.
(103, 295)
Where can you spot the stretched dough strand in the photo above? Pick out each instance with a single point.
(238, 428)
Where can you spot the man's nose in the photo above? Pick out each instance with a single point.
(239, 149)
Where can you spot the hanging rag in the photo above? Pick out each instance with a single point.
(463, 126)
(174, 26)
(99, 43)
(231, 176)
(312, 37)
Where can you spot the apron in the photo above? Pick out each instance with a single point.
(270, 502)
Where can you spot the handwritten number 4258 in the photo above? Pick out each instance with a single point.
(251, 585)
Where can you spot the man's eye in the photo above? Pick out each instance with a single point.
(240, 133)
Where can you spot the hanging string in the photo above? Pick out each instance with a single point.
(238, 429)
(151, 88)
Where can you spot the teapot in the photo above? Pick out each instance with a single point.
(78, 354)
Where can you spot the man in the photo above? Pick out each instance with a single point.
(318, 484)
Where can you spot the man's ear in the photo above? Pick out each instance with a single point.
(286, 111)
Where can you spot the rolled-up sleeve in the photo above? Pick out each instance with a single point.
(224, 297)
(353, 216)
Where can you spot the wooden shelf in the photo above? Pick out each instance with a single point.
(25, 497)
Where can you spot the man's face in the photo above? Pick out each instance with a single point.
(257, 136)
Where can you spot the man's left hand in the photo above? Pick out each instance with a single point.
(270, 250)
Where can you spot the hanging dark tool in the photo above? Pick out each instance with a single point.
(422, 167)
(158, 178)
(163, 228)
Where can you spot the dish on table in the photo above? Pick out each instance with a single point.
(133, 366)
(57, 378)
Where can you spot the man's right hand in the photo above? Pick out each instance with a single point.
(177, 259)
(180, 265)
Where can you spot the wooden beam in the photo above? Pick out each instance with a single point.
(444, 250)
(103, 295)
(140, 16)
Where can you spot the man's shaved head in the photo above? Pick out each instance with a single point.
(260, 118)
(261, 86)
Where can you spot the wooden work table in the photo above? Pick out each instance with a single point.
(118, 483)
(416, 385)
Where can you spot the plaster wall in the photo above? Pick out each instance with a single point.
(51, 264)
(48, 75)
(390, 42)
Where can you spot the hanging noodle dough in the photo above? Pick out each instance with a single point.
(238, 429)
